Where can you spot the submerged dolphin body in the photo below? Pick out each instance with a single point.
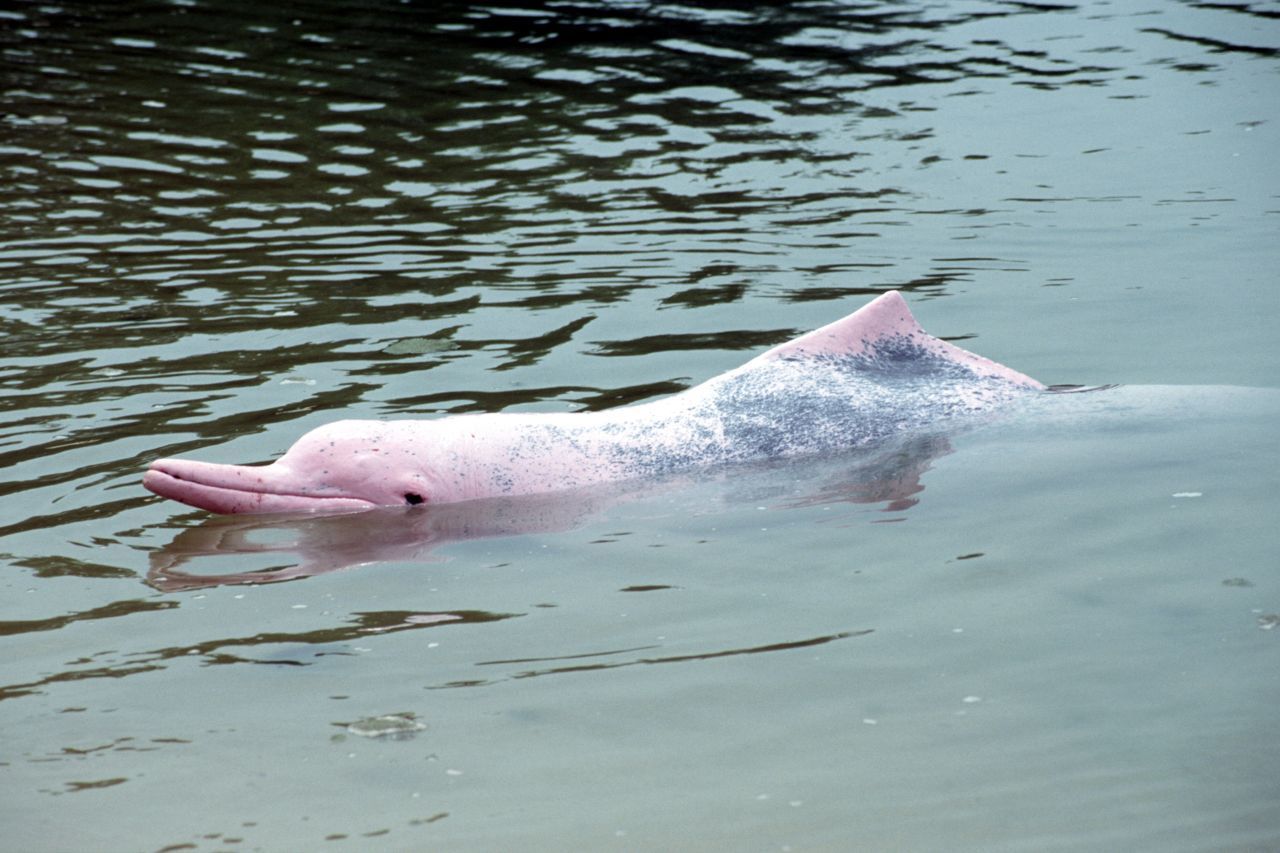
(871, 376)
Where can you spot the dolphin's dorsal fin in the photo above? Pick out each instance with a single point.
(887, 320)
(886, 316)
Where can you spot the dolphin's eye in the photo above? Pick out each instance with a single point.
(412, 498)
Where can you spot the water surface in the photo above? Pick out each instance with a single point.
(225, 223)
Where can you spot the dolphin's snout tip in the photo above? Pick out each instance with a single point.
(155, 477)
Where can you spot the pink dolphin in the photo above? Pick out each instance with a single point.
(868, 377)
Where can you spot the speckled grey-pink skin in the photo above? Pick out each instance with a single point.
(865, 378)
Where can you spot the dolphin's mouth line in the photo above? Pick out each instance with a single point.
(246, 490)
(232, 499)
(175, 470)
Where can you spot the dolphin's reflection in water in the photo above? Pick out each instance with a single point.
(313, 544)
(309, 544)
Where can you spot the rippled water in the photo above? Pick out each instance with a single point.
(224, 223)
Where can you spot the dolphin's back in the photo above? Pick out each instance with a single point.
(860, 380)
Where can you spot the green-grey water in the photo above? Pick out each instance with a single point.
(225, 223)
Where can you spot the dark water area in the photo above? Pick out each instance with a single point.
(223, 224)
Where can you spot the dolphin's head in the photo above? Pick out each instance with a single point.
(342, 466)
